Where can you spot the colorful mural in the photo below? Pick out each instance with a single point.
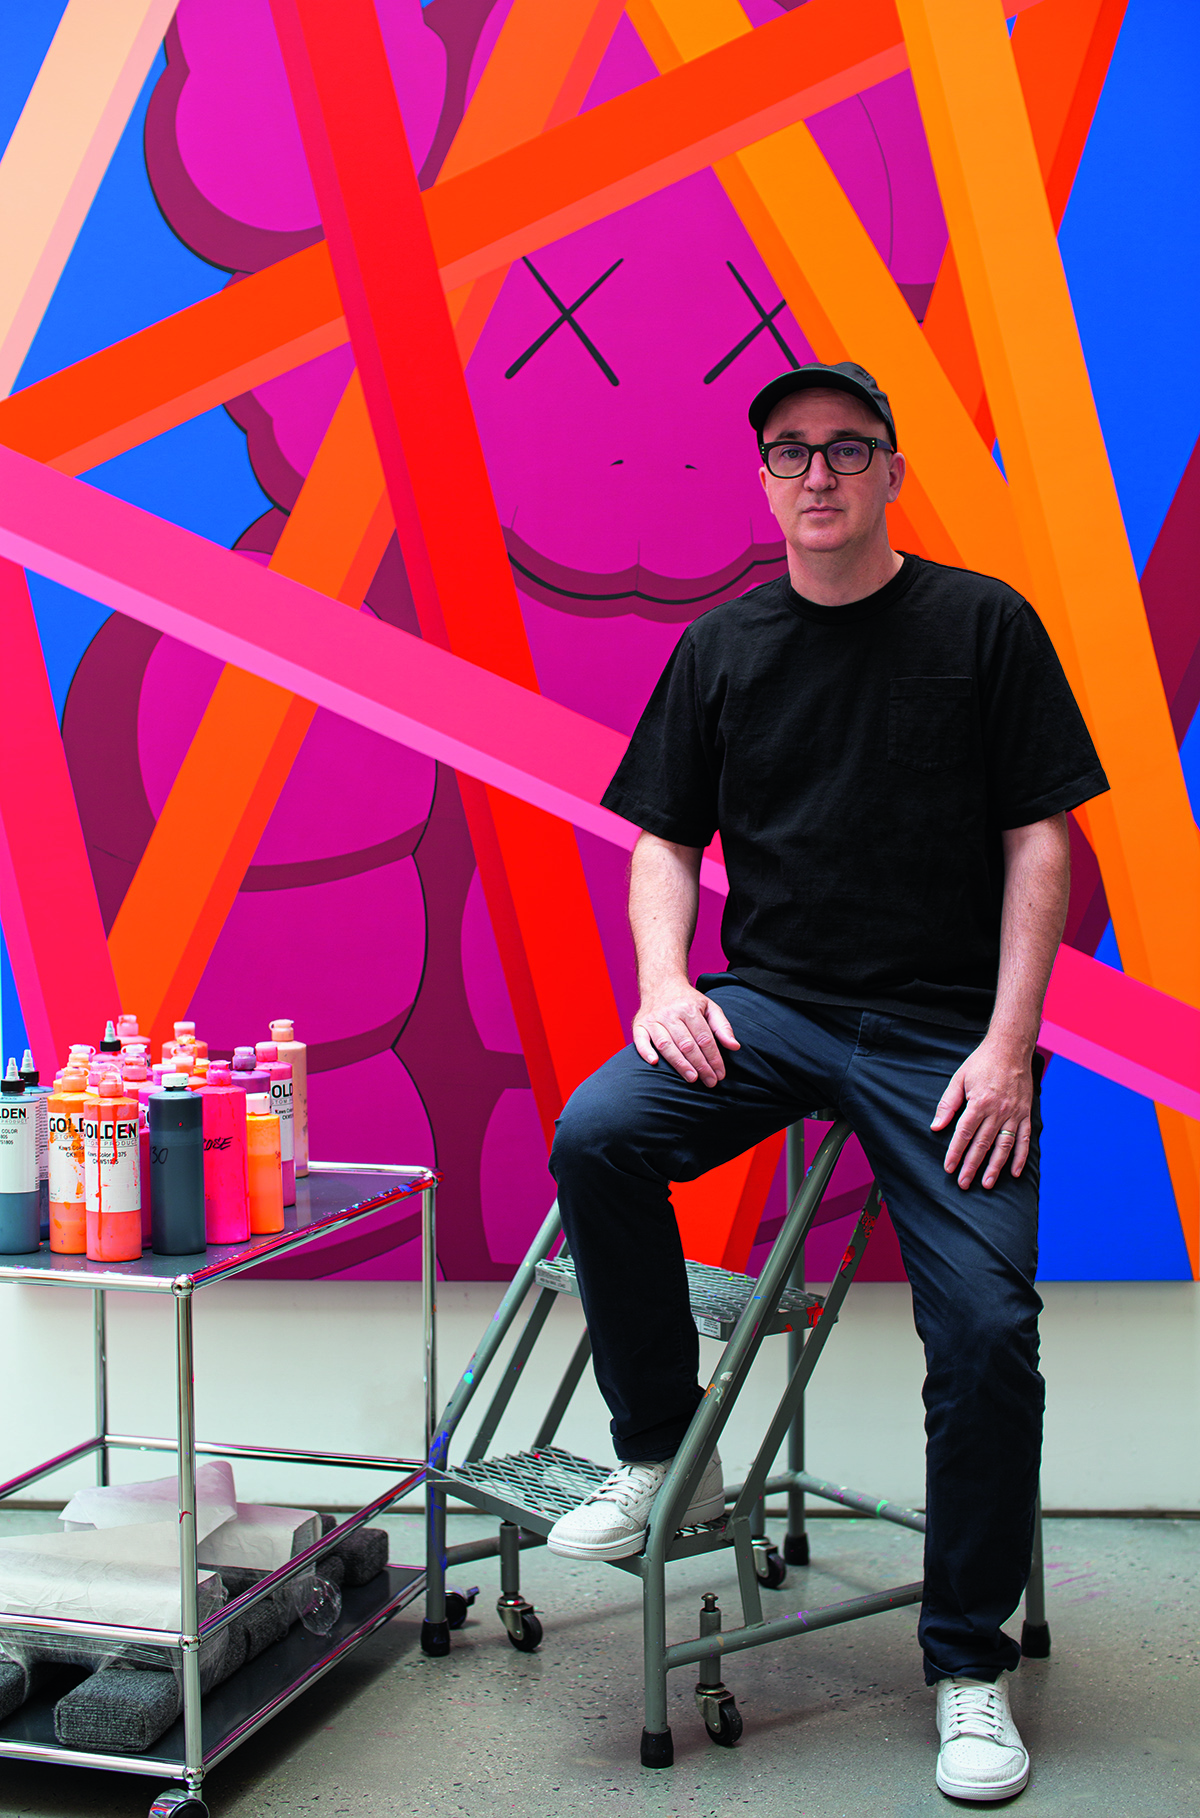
(451, 314)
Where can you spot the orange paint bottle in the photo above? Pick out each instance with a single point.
(264, 1165)
(68, 1203)
(112, 1174)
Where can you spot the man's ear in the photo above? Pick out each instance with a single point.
(897, 468)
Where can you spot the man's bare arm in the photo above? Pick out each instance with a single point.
(674, 1020)
(996, 1081)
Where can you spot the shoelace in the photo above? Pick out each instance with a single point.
(624, 1487)
(975, 1710)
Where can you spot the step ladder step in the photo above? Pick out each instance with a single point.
(535, 1488)
(546, 1483)
(717, 1297)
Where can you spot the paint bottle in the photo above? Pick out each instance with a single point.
(112, 1041)
(139, 1085)
(247, 1073)
(20, 1205)
(41, 1096)
(264, 1169)
(112, 1174)
(226, 1202)
(68, 1205)
(176, 1119)
(283, 1105)
(296, 1055)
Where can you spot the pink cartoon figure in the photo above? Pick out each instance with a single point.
(610, 384)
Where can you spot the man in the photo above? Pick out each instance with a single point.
(888, 748)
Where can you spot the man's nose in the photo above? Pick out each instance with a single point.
(820, 475)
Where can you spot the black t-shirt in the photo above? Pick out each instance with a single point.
(860, 763)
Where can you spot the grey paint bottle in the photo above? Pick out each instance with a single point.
(176, 1119)
(20, 1203)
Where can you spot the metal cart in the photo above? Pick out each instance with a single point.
(530, 1490)
(331, 1198)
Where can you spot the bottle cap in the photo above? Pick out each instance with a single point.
(12, 1081)
(72, 1082)
(127, 1023)
(111, 1088)
(266, 1051)
(183, 1063)
(283, 1030)
(218, 1074)
(169, 1049)
(175, 1082)
(112, 1041)
(136, 1073)
(184, 1029)
(258, 1104)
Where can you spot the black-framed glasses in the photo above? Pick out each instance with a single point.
(790, 460)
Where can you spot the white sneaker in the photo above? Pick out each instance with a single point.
(982, 1756)
(612, 1523)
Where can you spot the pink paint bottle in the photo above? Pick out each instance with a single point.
(282, 1105)
(226, 1202)
(247, 1073)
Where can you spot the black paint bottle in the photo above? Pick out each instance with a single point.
(176, 1118)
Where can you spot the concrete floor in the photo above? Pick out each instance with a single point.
(838, 1724)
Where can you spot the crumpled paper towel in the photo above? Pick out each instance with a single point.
(120, 1505)
(260, 1537)
(128, 1575)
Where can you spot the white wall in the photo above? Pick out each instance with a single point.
(338, 1364)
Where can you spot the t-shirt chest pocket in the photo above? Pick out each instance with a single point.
(929, 721)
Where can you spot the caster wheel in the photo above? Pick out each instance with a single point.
(1035, 1640)
(729, 1729)
(530, 1636)
(435, 1638)
(795, 1549)
(457, 1605)
(657, 1751)
(175, 1800)
(769, 1569)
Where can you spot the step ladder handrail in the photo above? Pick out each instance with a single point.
(705, 1430)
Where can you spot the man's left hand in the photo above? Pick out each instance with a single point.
(994, 1089)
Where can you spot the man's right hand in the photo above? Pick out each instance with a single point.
(684, 1027)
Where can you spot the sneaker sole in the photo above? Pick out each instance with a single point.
(982, 1795)
(622, 1549)
(613, 1549)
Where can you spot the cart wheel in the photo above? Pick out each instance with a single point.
(177, 1799)
(530, 1636)
(457, 1605)
(729, 1728)
(769, 1568)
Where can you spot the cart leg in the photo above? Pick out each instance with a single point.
(435, 1630)
(658, 1747)
(795, 1544)
(100, 1379)
(189, 1615)
(1035, 1630)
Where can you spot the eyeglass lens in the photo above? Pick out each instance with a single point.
(788, 460)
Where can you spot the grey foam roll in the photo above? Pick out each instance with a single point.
(14, 1687)
(365, 1554)
(125, 1709)
(264, 1624)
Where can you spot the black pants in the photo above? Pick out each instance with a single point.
(971, 1258)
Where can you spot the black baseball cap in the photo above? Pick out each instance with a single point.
(845, 376)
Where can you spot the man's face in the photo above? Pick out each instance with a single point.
(822, 511)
